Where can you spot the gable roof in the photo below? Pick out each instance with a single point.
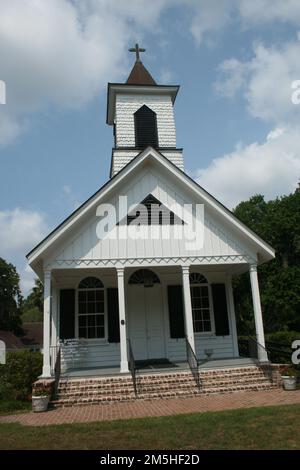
(150, 153)
(139, 75)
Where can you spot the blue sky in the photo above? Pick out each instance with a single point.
(235, 62)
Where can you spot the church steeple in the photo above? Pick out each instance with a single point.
(142, 113)
(139, 75)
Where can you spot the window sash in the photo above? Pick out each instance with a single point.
(201, 308)
(91, 313)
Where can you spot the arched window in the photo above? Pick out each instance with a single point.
(145, 123)
(200, 297)
(91, 310)
(145, 277)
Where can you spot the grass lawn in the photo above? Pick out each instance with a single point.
(254, 428)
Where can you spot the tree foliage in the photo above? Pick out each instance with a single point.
(10, 298)
(32, 306)
(278, 223)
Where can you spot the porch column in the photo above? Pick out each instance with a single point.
(47, 324)
(260, 336)
(54, 315)
(232, 316)
(122, 322)
(189, 328)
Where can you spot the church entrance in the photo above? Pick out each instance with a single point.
(145, 316)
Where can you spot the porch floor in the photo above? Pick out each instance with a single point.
(162, 366)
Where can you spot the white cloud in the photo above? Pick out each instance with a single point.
(61, 53)
(271, 168)
(166, 76)
(20, 229)
(265, 81)
(266, 11)
(67, 189)
(211, 17)
(27, 277)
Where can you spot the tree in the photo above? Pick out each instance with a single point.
(278, 223)
(32, 306)
(10, 298)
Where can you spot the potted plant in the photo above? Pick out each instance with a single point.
(40, 399)
(289, 379)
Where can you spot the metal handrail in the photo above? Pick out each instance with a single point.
(193, 363)
(132, 366)
(253, 347)
(57, 370)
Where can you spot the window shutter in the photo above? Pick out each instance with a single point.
(67, 314)
(113, 315)
(220, 309)
(176, 316)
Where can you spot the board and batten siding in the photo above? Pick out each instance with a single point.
(218, 239)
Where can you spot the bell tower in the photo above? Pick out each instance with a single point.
(142, 114)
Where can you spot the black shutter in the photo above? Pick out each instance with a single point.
(113, 315)
(67, 314)
(220, 309)
(176, 317)
(145, 128)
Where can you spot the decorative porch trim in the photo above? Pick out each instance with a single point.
(157, 261)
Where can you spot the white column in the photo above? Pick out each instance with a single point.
(189, 328)
(260, 336)
(54, 315)
(231, 311)
(122, 321)
(47, 324)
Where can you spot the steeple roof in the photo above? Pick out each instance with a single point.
(139, 75)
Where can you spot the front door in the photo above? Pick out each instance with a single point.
(145, 321)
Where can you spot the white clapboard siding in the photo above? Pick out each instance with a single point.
(97, 354)
(222, 347)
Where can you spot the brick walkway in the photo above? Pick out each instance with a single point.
(158, 407)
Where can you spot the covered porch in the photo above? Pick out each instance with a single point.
(100, 319)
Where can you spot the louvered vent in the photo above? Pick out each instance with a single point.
(145, 128)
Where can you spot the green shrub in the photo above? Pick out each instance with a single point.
(22, 368)
(283, 337)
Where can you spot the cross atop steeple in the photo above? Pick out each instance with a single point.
(137, 51)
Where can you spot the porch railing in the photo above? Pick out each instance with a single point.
(193, 363)
(250, 347)
(57, 370)
(132, 366)
(56, 358)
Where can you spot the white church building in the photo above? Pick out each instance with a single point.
(126, 287)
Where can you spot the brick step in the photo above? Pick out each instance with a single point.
(117, 392)
(96, 387)
(220, 372)
(88, 383)
(90, 401)
(95, 393)
(234, 372)
(236, 388)
(240, 380)
(168, 394)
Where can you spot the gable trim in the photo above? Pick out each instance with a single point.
(130, 166)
